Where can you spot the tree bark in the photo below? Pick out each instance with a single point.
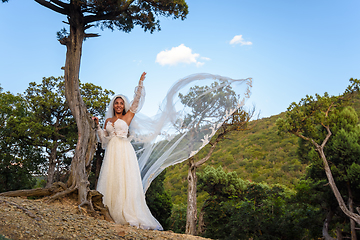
(99, 159)
(335, 190)
(325, 230)
(351, 208)
(86, 144)
(191, 214)
(339, 235)
(52, 164)
(340, 200)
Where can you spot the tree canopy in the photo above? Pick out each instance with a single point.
(331, 128)
(121, 15)
(20, 159)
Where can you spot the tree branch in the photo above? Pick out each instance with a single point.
(333, 186)
(208, 155)
(109, 16)
(60, 3)
(88, 35)
(327, 136)
(301, 136)
(53, 7)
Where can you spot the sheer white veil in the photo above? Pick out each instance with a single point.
(192, 111)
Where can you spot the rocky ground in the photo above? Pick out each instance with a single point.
(21, 218)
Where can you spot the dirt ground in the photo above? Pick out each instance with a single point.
(21, 218)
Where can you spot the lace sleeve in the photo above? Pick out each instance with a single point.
(139, 99)
(102, 136)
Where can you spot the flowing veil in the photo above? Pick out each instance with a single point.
(193, 110)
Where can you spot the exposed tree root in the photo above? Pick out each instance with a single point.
(99, 205)
(88, 202)
(59, 190)
(30, 214)
(61, 194)
(38, 192)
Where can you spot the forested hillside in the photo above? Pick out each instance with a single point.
(257, 155)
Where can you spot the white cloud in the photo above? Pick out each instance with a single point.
(180, 54)
(206, 58)
(238, 39)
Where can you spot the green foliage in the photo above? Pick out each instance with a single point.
(262, 212)
(40, 182)
(217, 182)
(199, 100)
(143, 13)
(51, 125)
(122, 15)
(19, 158)
(309, 120)
(258, 155)
(159, 200)
(39, 124)
(177, 221)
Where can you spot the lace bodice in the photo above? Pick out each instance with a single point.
(118, 128)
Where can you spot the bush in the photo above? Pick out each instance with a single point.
(177, 220)
(259, 211)
(159, 200)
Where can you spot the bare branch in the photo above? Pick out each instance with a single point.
(89, 26)
(208, 155)
(53, 7)
(88, 35)
(327, 136)
(301, 136)
(327, 111)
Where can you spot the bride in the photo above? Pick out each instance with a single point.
(192, 111)
(119, 179)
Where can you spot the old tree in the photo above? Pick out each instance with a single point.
(81, 15)
(332, 130)
(221, 101)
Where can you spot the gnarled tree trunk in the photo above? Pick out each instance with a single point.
(52, 164)
(86, 144)
(340, 200)
(325, 230)
(351, 208)
(191, 213)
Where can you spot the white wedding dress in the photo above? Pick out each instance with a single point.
(120, 180)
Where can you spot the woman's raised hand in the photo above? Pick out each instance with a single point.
(142, 78)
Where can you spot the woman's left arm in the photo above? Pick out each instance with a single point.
(138, 101)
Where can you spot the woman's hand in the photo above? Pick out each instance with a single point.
(142, 78)
(96, 119)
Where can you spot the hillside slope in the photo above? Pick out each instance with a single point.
(258, 155)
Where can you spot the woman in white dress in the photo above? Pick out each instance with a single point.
(173, 135)
(120, 179)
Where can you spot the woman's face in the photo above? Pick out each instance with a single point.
(119, 105)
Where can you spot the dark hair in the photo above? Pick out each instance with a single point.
(124, 112)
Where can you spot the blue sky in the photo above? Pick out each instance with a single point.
(289, 48)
